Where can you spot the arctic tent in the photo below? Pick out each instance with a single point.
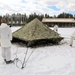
(36, 33)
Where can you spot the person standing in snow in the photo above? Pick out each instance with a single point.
(5, 39)
(56, 28)
(72, 38)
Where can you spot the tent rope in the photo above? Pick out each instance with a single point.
(16, 59)
(24, 59)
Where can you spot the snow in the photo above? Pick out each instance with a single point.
(48, 60)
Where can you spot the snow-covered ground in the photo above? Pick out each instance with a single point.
(48, 60)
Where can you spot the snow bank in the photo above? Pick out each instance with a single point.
(50, 60)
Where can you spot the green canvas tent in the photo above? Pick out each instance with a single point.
(35, 32)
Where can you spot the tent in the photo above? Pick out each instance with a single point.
(36, 33)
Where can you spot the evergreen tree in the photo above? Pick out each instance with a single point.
(65, 15)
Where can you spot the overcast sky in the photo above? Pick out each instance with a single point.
(51, 7)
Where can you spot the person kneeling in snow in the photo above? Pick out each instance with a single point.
(56, 28)
(72, 38)
(6, 37)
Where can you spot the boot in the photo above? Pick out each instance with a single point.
(9, 62)
(5, 60)
(71, 45)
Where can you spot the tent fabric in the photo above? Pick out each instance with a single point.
(35, 30)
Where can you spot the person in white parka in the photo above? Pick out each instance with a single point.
(5, 39)
(72, 38)
(56, 28)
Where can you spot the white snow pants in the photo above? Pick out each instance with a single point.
(6, 53)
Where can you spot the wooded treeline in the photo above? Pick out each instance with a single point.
(23, 18)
